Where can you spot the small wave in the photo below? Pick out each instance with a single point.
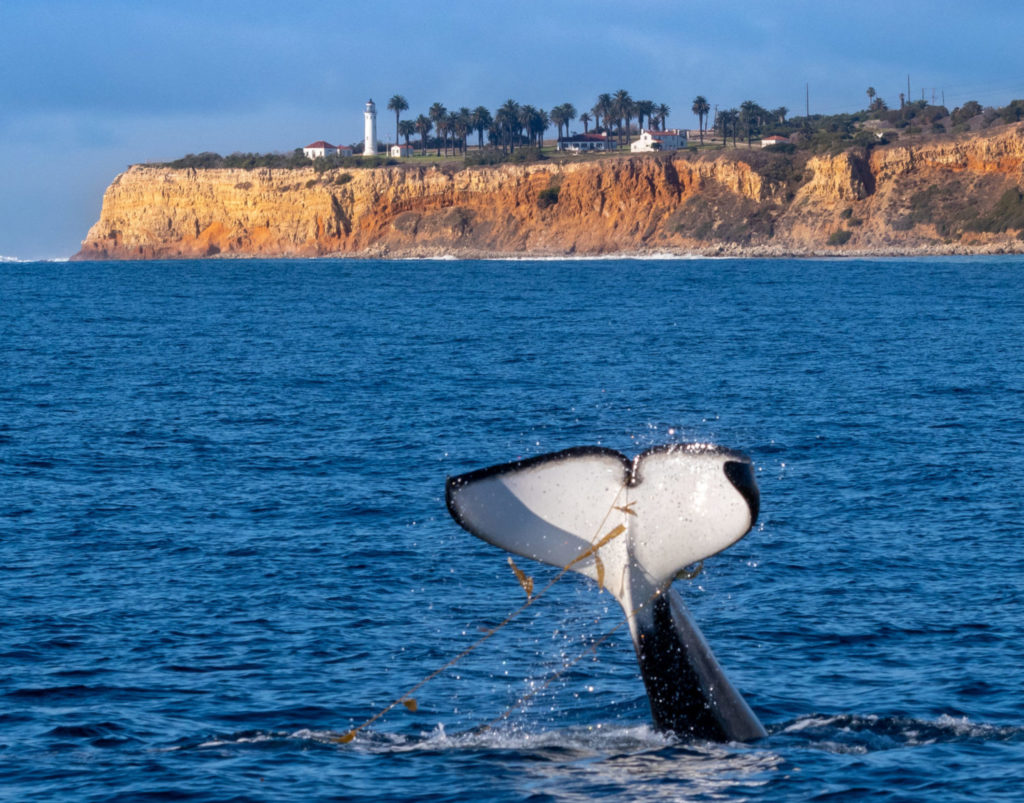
(20, 261)
(656, 256)
(849, 733)
(578, 740)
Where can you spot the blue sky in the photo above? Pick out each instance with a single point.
(88, 88)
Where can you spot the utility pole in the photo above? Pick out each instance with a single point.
(909, 96)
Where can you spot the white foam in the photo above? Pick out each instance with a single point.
(20, 261)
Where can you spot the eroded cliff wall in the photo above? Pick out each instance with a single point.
(929, 198)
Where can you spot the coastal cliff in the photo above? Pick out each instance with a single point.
(942, 196)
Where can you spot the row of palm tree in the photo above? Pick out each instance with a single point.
(617, 110)
(514, 123)
(749, 118)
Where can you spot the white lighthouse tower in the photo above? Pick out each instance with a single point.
(370, 128)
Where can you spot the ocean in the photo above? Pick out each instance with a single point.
(224, 541)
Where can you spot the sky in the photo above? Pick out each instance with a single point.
(89, 88)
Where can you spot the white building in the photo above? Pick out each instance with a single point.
(775, 139)
(370, 129)
(319, 150)
(400, 151)
(586, 142)
(650, 141)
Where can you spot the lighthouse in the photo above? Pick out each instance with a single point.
(370, 137)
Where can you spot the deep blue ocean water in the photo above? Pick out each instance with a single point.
(223, 538)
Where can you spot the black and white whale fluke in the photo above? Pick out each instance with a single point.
(631, 526)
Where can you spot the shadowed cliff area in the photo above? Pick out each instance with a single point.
(942, 196)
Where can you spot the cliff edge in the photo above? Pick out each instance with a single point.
(949, 196)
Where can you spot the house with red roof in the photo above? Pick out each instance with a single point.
(321, 149)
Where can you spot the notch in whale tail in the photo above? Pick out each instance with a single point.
(631, 526)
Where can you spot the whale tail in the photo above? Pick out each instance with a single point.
(631, 526)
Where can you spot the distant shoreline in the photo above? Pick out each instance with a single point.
(943, 197)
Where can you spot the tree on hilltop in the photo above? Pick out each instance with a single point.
(622, 108)
(423, 125)
(643, 109)
(662, 113)
(462, 124)
(748, 117)
(701, 107)
(406, 128)
(729, 120)
(506, 121)
(482, 120)
(561, 115)
(437, 114)
(397, 104)
(603, 111)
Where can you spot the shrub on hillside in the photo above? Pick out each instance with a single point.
(548, 197)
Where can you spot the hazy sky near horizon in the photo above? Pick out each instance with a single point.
(91, 87)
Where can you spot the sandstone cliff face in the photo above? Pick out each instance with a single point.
(631, 204)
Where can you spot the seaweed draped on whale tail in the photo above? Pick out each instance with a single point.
(631, 526)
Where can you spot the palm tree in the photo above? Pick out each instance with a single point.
(570, 113)
(437, 114)
(585, 119)
(644, 108)
(397, 104)
(539, 123)
(701, 107)
(602, 110)
(622, 105)
(441, 127)
(462, 124)
(481, 122)
(729, 119)
(423, 125)
(871, 95)
(780, 114)
(662, 113)
(407, 128)
(507, 121)
(559, 118)
(527, 114)
(748, 114)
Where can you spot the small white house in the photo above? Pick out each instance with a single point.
(400, 151)
(775, 139)
(321, 150)
(586, 142)
(650, 141)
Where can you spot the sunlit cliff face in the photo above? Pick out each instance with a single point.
(671, 203)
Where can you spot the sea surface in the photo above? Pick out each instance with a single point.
(224, 542)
